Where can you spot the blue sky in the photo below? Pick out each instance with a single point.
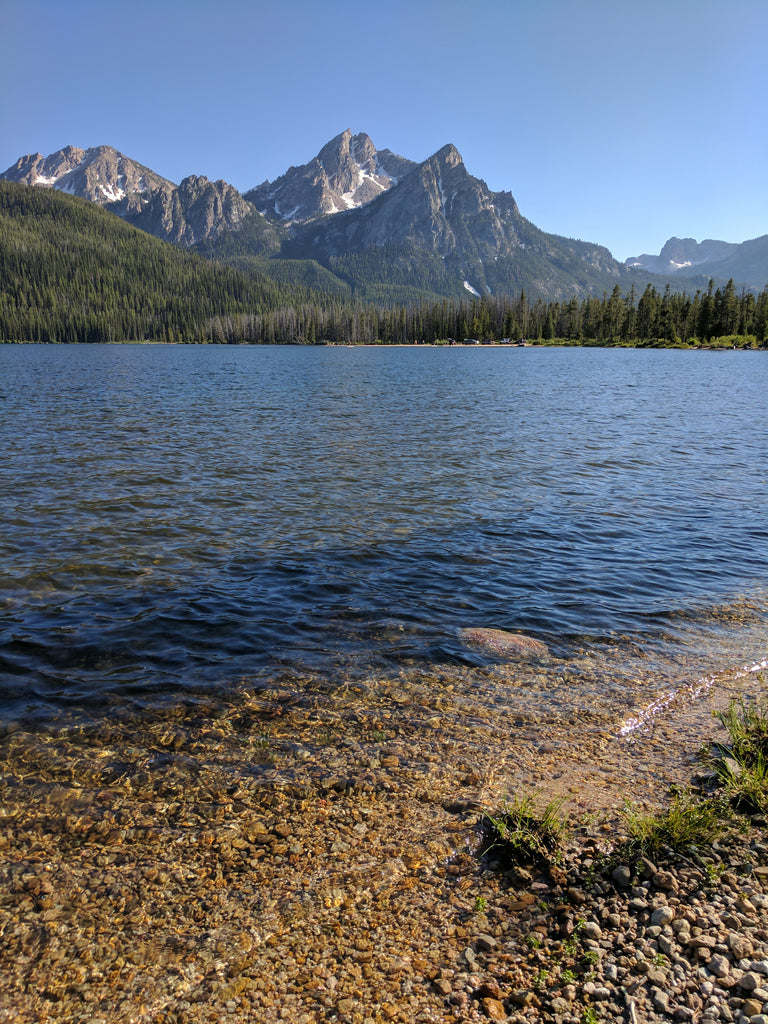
(620, 122)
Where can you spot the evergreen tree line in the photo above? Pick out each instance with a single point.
(719, 315)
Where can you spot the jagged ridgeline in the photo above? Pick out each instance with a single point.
(357, 223)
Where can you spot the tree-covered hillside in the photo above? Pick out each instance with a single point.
(72, 272)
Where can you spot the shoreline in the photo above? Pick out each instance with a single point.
(177, 874)
(683, 347)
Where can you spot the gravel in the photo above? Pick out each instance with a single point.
(256, 862)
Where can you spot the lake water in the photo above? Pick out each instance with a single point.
(178, 521)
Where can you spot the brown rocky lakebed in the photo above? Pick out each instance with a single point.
(297, 854)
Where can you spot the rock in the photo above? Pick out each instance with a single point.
(622, 876)
(647, 868)
(524, 997)
(662, 916)
(683, 1013)
(493, 1009)
(500, 642)
(740, 945)
(661, 1001)
(749, 981)
(486, 942)
(488, 990)
(745, 907)
(730, 767)
(719, 965)
(591, 930)
(702, 942)
(667, 881)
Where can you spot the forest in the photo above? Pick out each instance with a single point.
(71, 272)
(720, 317)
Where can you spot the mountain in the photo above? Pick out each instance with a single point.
(196, 210)
(101, 174)
(745, 262)
(368, 223)
(185, 214)
(440, 215)
(347, 173)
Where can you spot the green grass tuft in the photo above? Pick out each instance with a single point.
(687, 822)
(742, 765)
(519, 834)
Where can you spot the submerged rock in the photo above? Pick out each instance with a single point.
(500, 642)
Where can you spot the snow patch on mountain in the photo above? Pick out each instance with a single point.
(112, 195)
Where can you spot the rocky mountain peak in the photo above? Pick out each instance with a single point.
(346, 174)
(684, 255)
(35, 169)
(336, 155)
(363, 151)
(100, 174)
(449, 156)
(198, 209)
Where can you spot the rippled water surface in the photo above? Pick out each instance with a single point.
(178, 520)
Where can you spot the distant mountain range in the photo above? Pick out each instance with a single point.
(385, 227)
(745, 262)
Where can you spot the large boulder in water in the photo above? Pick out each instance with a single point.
(502, 644)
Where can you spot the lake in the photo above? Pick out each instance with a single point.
(179, 521)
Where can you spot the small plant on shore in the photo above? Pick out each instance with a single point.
(688, 821)
(540, 978)
(712, 873)
(520, 834)
(570, 946)
(481, 904)
(589, 1016)
(742, 764)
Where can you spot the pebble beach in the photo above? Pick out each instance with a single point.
(261, 860)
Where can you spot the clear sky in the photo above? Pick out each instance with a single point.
(621, 122)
